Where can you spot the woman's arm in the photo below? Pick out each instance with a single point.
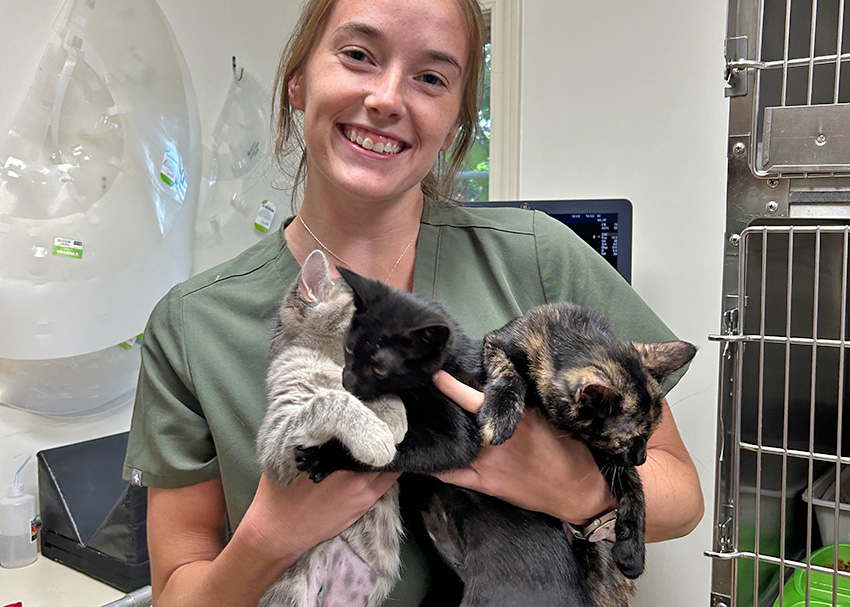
(674, 501)
(190, 563)
(539, 470)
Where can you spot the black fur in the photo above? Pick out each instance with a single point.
(441, 436)
(506, 557)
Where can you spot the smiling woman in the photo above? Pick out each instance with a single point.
(289, 137)
(371, 94)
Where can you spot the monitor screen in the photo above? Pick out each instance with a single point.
(605, 224)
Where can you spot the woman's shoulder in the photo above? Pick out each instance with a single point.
(495, 218)
(251, 282)
(268, 257)
(499, 219)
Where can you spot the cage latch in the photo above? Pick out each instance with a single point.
(737, 65)
(730, 331)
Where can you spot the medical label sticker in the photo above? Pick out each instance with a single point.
(265, 216)
(172, 171)
(128, 345)
(65, 247)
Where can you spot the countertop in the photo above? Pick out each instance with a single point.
(46, 583)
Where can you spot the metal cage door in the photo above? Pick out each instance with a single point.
(782, 502)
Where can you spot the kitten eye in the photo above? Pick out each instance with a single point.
(379, 372)
(347, 347)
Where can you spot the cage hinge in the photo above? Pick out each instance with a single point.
(737, 64)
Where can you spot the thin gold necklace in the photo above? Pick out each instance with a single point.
(344, 262)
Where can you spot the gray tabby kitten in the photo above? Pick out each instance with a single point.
(307, 407)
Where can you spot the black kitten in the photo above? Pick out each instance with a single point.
(397, 341)
(504, 555)
(566, 361)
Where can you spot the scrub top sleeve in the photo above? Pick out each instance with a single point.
(571, 270)
(170, 443)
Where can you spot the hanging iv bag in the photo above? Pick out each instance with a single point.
(238, 206)
(99, 176)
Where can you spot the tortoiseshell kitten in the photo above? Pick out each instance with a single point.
(566, 362)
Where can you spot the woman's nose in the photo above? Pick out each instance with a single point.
(386, 99)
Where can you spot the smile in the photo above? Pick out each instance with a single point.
(373, 142)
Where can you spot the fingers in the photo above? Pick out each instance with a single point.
(384, 480)
(465, 477)
(467, 397)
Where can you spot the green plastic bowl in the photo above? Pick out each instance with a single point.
(820, 584)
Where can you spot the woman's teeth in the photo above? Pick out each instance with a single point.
(385, 147)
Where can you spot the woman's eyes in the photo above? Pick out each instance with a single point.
(356, 54)
(433, 80)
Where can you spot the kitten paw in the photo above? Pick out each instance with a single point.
(504, 403)
(375, 448)
(309, 460)
(374, 454)
(496, 427)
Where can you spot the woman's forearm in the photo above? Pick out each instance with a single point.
(237, 577)
(674, 501)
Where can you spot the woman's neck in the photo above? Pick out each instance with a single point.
(375, 238)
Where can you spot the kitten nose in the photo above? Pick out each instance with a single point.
(348, 381)
(638, 451)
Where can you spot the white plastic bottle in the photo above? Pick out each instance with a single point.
(18, 526)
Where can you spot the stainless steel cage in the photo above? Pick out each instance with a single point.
(784, 357)
(783, 435)
(787, 57)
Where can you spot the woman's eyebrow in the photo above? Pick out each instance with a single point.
(375, 33)
(362, 28)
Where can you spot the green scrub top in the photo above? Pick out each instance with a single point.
(201, 392)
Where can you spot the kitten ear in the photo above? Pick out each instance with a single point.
(597, 393)
(430, 338)
(360, 286)
(664, 358)
(315, 277)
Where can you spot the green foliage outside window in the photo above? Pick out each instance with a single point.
(473, 184)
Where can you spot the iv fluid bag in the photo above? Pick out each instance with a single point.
(73, 387)
(238, 207)
(98, 181)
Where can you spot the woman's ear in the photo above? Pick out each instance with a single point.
(296, 92)
(450, 138)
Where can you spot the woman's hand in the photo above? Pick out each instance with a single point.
(190, 563)
(296, 517)
(536, 469)
(539, 470)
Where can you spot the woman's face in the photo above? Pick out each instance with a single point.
(381, 92)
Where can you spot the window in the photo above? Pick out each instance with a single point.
(492, 169)
(473, 182)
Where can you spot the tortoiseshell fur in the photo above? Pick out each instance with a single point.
(566, 362)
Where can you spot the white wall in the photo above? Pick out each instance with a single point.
(209, 33)
(625, 99)
(619, 99)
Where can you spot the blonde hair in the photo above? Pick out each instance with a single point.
(440, 182)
